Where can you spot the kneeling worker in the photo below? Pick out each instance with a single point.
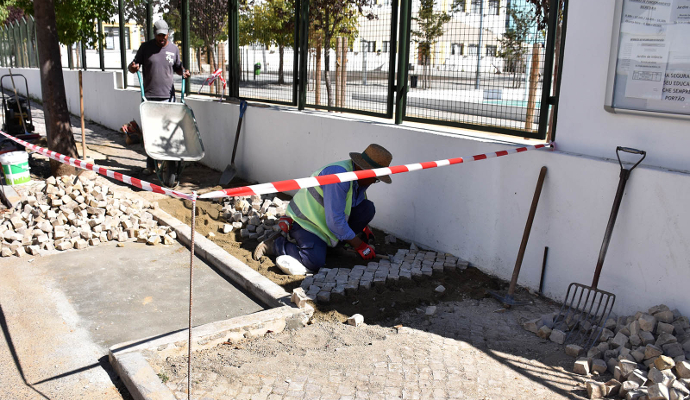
(325, 215)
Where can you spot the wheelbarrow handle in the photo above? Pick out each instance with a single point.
(631, 151)
(182, 89)
(141, 86)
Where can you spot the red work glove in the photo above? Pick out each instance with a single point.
(285, 223)
(369, 234)
(366, 251)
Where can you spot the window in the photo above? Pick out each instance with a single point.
(459, 6)
(457, 49)
(491, 50)
(472, 50)
(386, 46)
(493, 7)
(476, 6)
(112, 38)
(369, 46)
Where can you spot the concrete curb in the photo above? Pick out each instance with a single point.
(263, 288)
(129, 358)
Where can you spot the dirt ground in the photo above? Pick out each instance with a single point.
(374, 305)
(471, 349)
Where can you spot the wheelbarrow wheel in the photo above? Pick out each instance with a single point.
(170, 175)
(169, 172)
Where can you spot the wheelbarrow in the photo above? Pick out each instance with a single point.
(171, 136)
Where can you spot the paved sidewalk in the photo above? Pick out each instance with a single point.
(466, 350)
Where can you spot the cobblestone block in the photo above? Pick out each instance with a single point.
(658, 392)
(573, 350)
(647, 322)
(323, 297)
(599, 366)
(596, 390)
(581, 366)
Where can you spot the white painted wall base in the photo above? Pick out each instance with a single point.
(477, 211)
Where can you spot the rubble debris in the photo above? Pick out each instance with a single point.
(648, 354)
(255, 217)
(356, 320)
(76, 213)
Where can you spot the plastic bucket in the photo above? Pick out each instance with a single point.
(15, 167)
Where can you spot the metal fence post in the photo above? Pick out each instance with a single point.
(70, 58)
(560, 71)
(22, 39)
(35, 44)
(3, 48)
(83, 55)
(29, 42)
(403, 59)
(20, 49)
(234, 49)
(546, 99)
(303, 53)
(295, 58)
(477, 79)
(101, 55)
(123, 47)
(15, 45)
(393, 48)
(149, 20)
(185, 38)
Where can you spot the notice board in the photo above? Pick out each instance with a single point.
(649, 66)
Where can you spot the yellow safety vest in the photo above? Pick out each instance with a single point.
(307, 209)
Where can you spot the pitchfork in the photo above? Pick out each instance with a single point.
(585, 320)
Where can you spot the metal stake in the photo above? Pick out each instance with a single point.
(191, 281)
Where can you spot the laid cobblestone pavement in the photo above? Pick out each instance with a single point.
(466, 350)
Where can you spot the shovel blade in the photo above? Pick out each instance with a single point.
(584, 314)
(508, 300)
(228, 175)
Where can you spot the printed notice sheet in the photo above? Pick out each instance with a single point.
(654, 55)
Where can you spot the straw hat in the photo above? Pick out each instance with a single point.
(375, 156)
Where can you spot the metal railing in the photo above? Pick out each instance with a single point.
(477, 64)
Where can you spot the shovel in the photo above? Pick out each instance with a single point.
(230, 171)
(508, 300)
(586, 308)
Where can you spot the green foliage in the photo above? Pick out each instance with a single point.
(330, 19)
(429, 28)
(75, 19)
(513, 46)
(274, 22)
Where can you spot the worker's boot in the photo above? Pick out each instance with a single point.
(264, 248)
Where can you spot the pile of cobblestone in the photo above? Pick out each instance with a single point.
(647, 354)
(68, 213)
(256, 217)
(333, 284)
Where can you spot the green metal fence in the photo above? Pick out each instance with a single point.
(477, 64)
(18, 44)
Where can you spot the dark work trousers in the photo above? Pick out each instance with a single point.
(150, 164)
(310, 250)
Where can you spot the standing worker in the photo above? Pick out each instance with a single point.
(159, 58)
(321, 216)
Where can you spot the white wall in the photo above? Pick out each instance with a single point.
(478, 210)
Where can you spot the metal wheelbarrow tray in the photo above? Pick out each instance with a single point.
(171, 136)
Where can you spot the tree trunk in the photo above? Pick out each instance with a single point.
(60, 138)
(281, 75)
(317, 79)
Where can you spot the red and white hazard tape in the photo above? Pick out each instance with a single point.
(217, 74)
(294, 184)
(103, 171)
